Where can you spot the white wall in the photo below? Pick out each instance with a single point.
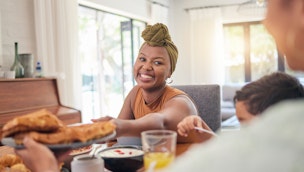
(17, 25)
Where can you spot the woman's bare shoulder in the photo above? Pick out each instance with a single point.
(133, 92)
(182, 103)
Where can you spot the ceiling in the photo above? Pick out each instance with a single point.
(219, 2)
(195, 3)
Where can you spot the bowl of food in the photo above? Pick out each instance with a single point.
(122, 158)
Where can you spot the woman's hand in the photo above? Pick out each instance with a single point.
(37, 157)
(188, 124)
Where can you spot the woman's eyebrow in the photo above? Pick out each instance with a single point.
(142, 54)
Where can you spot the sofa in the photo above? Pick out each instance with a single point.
(227, 104)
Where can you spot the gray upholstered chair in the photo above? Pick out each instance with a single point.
(208, 102)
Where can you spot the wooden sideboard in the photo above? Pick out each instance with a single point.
(22, 96)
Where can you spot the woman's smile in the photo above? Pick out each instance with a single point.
(145, 76)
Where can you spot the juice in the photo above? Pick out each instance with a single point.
(162, 159)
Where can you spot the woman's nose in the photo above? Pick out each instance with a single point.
(147, 66)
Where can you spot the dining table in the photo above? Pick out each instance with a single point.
(180, 149)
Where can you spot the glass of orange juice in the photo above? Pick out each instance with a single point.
(159, 148)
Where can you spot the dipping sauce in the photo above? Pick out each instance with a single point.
(121, 152)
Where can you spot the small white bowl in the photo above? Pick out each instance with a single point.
(86, 162)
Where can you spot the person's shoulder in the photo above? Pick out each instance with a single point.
(286, 107)
(284, 116)
(174, 90)
(134, 90)
(132, 94)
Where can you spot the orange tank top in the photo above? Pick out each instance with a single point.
(140, 108)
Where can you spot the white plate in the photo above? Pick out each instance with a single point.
(9, 141)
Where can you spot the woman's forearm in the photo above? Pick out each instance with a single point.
(135, 127)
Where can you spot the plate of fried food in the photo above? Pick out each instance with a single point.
(44, 127)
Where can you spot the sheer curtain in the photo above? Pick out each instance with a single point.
(56, 24)
(159, 13)
(206, 42)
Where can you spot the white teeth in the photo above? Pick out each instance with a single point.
(146, 76)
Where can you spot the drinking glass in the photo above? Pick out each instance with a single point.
(159, 148)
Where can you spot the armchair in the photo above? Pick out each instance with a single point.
(207, 99)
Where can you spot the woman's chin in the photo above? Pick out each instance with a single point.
(144, 83)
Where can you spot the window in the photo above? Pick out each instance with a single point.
(108, 46)
(234, 54)
(250, 53)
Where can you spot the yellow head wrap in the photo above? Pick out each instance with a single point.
(158, 35)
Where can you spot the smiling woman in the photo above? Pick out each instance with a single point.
(152, 104)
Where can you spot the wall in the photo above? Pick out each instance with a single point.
(17, 25)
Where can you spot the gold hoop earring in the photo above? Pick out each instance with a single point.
(169, 80)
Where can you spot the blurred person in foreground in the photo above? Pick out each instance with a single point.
(254, 98)
(274, 141)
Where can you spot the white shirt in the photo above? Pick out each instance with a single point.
(273, 143)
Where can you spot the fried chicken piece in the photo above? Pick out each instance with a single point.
(95, 130)
(82, 133)
(41, 120)
(9, 160)
(19, 168)
(2, 168)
